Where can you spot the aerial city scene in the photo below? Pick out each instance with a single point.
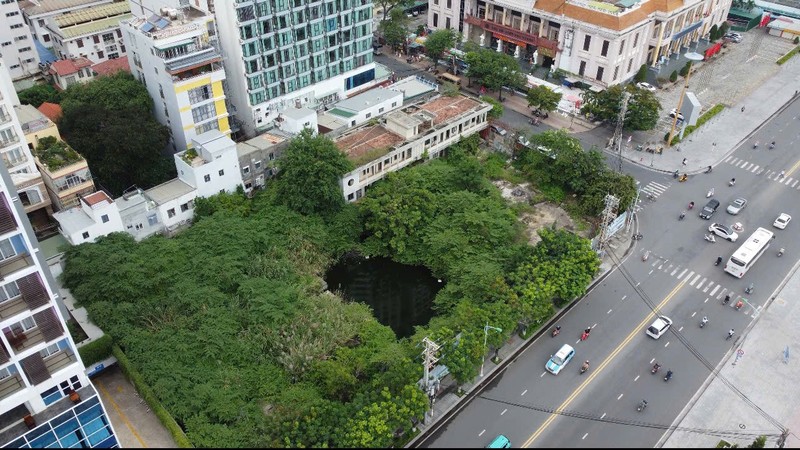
(399, 223)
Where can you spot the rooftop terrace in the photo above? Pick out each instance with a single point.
(366, 144)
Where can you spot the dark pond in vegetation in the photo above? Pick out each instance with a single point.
(401, 296)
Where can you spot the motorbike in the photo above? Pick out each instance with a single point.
(584, 368)
(731, 183)
(555, 332)
(719, 260)
(683, 214)
(691, 205)
(739, 305)
(709, 169)
(710, 193)
(675, 174)
(755, 144)
(585, 335)
(726, 299)
(655, 368)
(710, 238)
(637, 237)
(641, 406)
(703, 322)
(771, 146)
(683, 178)
(668, 376)
(780, 252)
(749, 289)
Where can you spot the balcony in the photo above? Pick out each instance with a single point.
(200, 57)
(7, 142)
(11, 161)
(32, 295)
(7, 221)
(512, 34)
(15, 263)
(10, 385)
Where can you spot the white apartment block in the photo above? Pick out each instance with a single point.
(93, 32)
(37, 12)
(282, 54)
(404, 136)
(604, 43)
(175, 54)
(17, 157)
(46, 398)
(16, 44)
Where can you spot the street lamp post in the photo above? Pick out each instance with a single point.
(691, 56)
(485, 336)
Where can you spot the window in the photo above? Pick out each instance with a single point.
(622, 47)
(246, 170)
(380, 110)
(96, 39)
(204, 112)
(258, 165)
(449, 4)
(171, 211)
(635, 40)
(12, 14)
(587, 41)
(199, 94)
(447, 22)
(184, 207)
(100, 54)
(104, 218)
(582, 68)
(616, 73)
(604, 50)
(208, 126)
(369, 115)
(272, 156)
(85, 235)
(7, 249)
(630, 65)
(207, 178)
(50, 350)
(222, 173)
(9, 291)
(600, 73)
(435, 20)
(80, 43)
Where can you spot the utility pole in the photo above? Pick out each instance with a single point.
(429, 360)
(609, 214)
(617, 139)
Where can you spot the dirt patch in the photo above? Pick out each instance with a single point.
(544, 214)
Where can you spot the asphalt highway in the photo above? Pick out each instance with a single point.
(598, 409)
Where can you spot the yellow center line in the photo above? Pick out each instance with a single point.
(794, 167)
(119, 411)
(602, 366)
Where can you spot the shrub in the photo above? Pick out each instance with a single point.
(788, 56)
(797, 40)
(673, 77)
(96, 350)
(641, 74)
(685, 69)
(703, 119)
(661, 80)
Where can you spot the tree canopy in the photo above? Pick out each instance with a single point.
(310, 170)
(396, 29)
(541, 97)
(493, 70)
(38, 94)
(439, 42)
(643, 106)
(109, 122)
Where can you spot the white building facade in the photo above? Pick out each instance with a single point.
(37, 12)
(175, 53)
(46, 398)
(602, 43)
(16, 43)
(93, 32)
(96, 215)
(283, 54)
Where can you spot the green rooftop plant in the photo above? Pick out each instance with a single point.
(189, 156)
(55, 154)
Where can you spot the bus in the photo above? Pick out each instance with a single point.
(745, 256)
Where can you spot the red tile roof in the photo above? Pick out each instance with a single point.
(97, 197)
(112, 66)
(69, 66)
(51, 110)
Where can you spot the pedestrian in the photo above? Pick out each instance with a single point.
(714, 144)
(780, 175)
(684, 161)
(742, 108)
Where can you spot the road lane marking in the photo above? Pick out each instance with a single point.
(122, 415)
(708, 286)
(694, 313)
(684, 271)
(673, 272)
(651, 271)
(715, 290)
(624, 296)
(481, 433)
(584, 436)
(755, 168)
(636, 331)
(700, 284)
(504, 411)
(695, 279)
(667, 344)
(609, 311)
(795, 183)
(637, 378)
(523, 392)
(604, 414)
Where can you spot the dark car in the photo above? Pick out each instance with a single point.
(709, 209)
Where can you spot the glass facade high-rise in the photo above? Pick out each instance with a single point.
(46, 398)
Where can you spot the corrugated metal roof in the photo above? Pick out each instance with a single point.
(93, 27)
(93, 13)
(47, 6)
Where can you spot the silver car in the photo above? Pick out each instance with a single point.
(737, 205)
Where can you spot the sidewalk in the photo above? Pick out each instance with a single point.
(447, 403)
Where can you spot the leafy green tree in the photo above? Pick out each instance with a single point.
(685, 69)
(478, 59)
(622, 186)
(310, 170)
(395, 30)
(440, 41)
(462, 352)
(497, 107)
(643, 106)
(541, 97)
(390, 5)
(120, 91)
(713, 34)
(38, 94)
(673, 77)
(374, 425)
(502, 70)
(233, 202)
(759, 442)
(723, 29)
(641, 75)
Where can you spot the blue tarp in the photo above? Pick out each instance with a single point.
(46, 56)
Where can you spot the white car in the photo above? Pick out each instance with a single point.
(646, 86)
(560, 359)
(736, 206)
(674, 111)
(659, 327)
(782, 221)
(723, 231)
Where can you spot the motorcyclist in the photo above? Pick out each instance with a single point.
(656, 366)
(556, 330)
(585, 366)
(708, 170)
(705, 320)
(733, 181)
(755, 144)
(719, 260)
(730, 333)
(780, 252)
(691, 205)
(727, 299)
(683, 214)
(772, 144)
(710, 192)
(669, 375)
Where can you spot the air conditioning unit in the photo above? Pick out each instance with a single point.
(164, 11)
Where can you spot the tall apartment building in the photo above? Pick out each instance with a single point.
(603, 42)
(16, 44)
(17, 157)
(46, 399)
(282, 54)
(175, 53)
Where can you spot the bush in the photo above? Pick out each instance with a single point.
(149, 396)
(673, 77)
(788, 56)
(641, 74)
(661, 80)
(96, 351)
(797, 40)
(703, 119)
(685, 69)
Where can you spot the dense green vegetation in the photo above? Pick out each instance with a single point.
(38, 94)
(228, 326)
(643, 106)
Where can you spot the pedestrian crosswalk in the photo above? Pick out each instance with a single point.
(698, 281)
(771, 174)
(650, 192)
